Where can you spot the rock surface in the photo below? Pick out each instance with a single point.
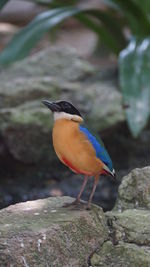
(130, 240)
(44, 233)
(129, 231)
(122, 255)
(131, 226)
(134, 191)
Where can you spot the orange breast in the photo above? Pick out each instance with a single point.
(73, 148)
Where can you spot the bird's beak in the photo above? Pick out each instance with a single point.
(51, 105)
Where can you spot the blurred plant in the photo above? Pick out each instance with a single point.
(121, 22)
(2, 3)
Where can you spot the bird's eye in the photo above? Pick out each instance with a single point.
(66, 105)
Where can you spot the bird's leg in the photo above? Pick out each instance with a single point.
(96, 179)
(81, 190)
(79, 195)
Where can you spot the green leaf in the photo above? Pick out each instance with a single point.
(111, 24)
(25, 40)
(55, 3)
(111, 4)
(145, 6)
(3, 3)
(135, 83)
(135, 15)
(42, 2)
(101, 31)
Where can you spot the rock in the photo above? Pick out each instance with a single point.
(17, 12)
(129, 227)
(52, 74)
(130, 240)
(134, 191)
(122, 255)
(44, 233)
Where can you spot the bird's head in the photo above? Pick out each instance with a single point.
(63, 110)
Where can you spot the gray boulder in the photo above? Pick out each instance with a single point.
(129, 228)
(122, 255)
(129, 244)
(43, 233)
(134, 191)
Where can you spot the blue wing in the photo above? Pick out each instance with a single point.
(100, 150)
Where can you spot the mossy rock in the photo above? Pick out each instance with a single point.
(44, 233)
(130, 226)
(122, 255)
(48, 233)
(134, 191)
(129, 244)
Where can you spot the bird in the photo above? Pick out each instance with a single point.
(77, 147)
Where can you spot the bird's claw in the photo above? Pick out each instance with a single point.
(77, 204)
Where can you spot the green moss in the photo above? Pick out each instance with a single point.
(134, 191)
(132, 226)
(32, 117)
(122, 255)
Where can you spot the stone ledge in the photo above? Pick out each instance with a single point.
(44, 233)
(129, 240)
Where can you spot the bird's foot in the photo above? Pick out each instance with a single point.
(77, 204)
(88, 206)
(74, 203)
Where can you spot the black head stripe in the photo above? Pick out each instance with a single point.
(68, 108)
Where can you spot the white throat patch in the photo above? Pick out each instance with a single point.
(64, 115)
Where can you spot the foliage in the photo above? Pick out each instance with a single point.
(3, 3)
(102, 23)
(135, 82)
(109, 25)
